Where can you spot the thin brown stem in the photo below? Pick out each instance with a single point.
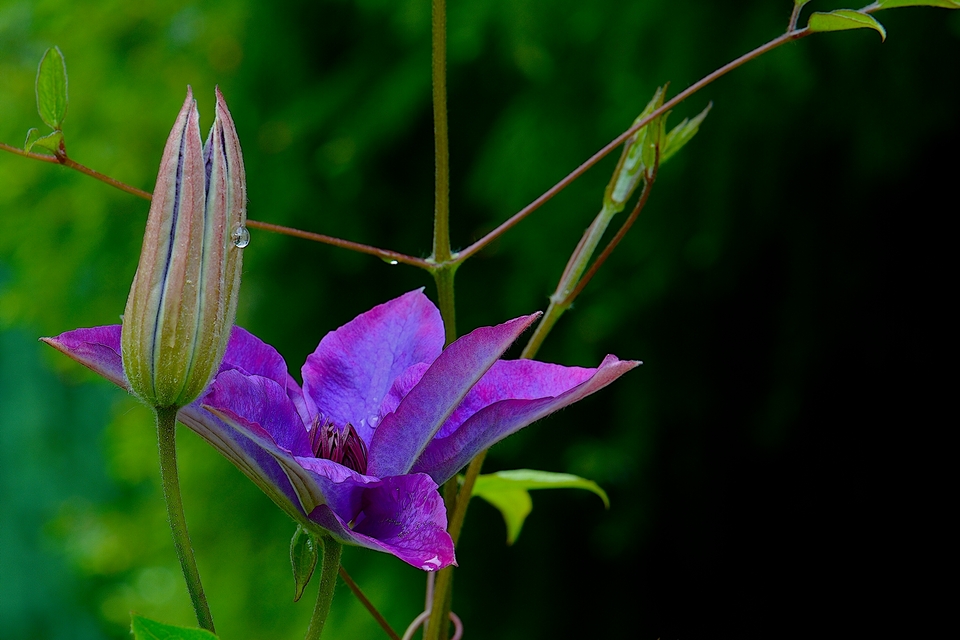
(369, 605)
(67, 162)
(616, 142)
(794, 15)
(42, 157)
(621, 232)
(383, 254)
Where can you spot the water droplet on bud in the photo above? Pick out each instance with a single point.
(240, 237)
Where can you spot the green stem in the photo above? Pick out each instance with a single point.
(444, 274)
(443, 277)
(329, 567)
(166, 435)
(441, 213)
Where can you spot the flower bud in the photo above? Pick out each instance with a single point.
(184, 295)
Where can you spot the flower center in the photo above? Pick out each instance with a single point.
(343, 446)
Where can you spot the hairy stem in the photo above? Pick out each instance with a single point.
(329, 567)
(166, 435)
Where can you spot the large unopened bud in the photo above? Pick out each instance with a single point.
(184, 296)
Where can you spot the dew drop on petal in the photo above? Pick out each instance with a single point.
(240, 237)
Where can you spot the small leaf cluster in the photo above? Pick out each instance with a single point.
(51, 103)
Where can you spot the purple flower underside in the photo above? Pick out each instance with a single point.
(421, 411)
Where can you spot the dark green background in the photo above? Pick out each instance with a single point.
(786, 288)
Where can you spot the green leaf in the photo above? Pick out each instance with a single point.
(508, 492)
(52, 88)
(304, 553)
(52, 142)
(146, 629)
(844, 19)
(799, 3)
(652, 141)
(682, 134)
(32, 135)
(513, 504)
(893, 4)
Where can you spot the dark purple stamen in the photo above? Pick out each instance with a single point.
(343, 446)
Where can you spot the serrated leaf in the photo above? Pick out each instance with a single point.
(52, 88)
(52, 142)
(32, 135)
(146, 629)
(843, 20)
(893, 4)
(508, 492)
(304, 553)
(682, 134)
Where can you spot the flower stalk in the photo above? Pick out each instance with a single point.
(166, 436)
(330, 552)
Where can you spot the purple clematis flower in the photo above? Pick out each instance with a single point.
(384, 416)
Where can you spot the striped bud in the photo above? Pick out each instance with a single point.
(184, 295)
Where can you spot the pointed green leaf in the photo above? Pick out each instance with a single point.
(52, 88)
(844, 19)
(304, 553)
(508, 492)
(682, 134)
(146, 629)
(653, 140)
(51, 143)
(514, 505)
(893, 4)
(32, 135)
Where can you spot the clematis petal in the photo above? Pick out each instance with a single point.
(264, 405)
(402, 435)
(403, 516)
(308, 494)
(248, 455)
(443, 457)
(251, 355)
(515, 380)
(97, 348)
(352, 369)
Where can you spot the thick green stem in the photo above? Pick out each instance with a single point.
(329, 568)
(445, 301)
(441, 212)
(166, 435)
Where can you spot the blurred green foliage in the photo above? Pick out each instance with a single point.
(757, 287)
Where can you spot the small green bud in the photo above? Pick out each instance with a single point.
(638, 155)
(184, 296)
